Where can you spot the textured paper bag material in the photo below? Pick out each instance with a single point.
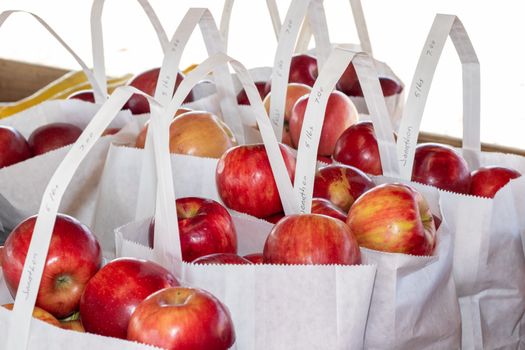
(489, 263)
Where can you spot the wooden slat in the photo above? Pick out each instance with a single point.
(456, 142)
(19, 79)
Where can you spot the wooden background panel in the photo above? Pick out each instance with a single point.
(19, 79)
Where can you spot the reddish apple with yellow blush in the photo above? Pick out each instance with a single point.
(311, 239)
(40, 314)
(205, 227)
(114, 292)
(341, 185)
(182, 319)
(393, 218)
(245, 180)
(487, 181)
(141, 138)
(340, 114)
(357, 147)
(325, 207)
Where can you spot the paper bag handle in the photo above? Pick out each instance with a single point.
(314, 118)
(97, 41)
(443, 27)
(295, 16)
(89, 75)
(166, 208)
(360, 23)
(29, 284)
(227, 13)
(163, 94)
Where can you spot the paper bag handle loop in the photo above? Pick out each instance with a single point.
(315, 113)
(443, 27)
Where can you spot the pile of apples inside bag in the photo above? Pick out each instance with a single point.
(141, 301)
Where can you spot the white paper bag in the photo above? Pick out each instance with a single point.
(22, 185)
(414, 304)
(272, 306)
(489, 263)
(20, 330)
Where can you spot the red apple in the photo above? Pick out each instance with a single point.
(274, 218)
(393, 218)
(205, 227)
(341, 184)
(182, 319)
(325, 207)
(222, 258)
(303, 69)
(357, 147)
(114, 292)
(325, 159)
(13, 146)
(245, 180)
(255, 258)
(83, 95)
(53, 136)
(311, 239)
(442, 167)
(40, 314)
(147, 82)
(73, 258)
(339, 115)
(487, 181)
(350, 85)
(262, 87)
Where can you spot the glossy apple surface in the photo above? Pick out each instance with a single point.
(13, 146)
(182, 319)
(487, 181)
(147, 82)
(440, 166)
(205, 227)
(311, 239)
(53, 136)
(40, 314)
(200, 134)
(222, 258)
(303, 69)
(350, 85)
(323, 206)
(274, 218)
(357, 147)
(262, 87)
(74, 257)
(255, 258)
(341, 184)
(340, 114)
(83, 95)
(245, 180)
(393, 218)
(141, 138)
(114, 292)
